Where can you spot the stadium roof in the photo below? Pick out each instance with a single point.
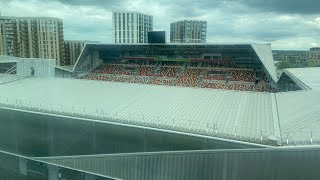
(246, 113)
(299, 113)
(65, 68)
(265, 54)
(263, 51)
(306, 78)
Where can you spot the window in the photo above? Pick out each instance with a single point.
(124, 22)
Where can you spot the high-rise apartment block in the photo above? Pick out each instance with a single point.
(32, 37)
(72, 50)
(188, 31)
(131, 27)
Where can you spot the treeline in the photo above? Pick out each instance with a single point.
(288, 64)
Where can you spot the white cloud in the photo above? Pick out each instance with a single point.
(228, 22)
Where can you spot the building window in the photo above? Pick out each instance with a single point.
(124, 23)
(127, 17)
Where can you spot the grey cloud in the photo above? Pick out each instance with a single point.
(257, 20)
(284, 6)
(107, 4)
(192, 8)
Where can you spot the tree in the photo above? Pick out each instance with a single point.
(285, 64)
(313, 64)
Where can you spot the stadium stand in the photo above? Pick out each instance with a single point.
(263, 77)
(168, 71)
(261, 88)
(202, 75)
(241, 75)
(190, 78)
(212, 85)
(109, 69)
(142, 79)
(240, 87)
(163, 81)
(122, 78)
(146, 71)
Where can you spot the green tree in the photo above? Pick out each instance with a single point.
(314, 64)
(285, 64)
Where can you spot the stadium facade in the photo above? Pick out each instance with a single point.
(140, 111)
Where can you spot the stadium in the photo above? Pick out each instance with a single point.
(160, 111)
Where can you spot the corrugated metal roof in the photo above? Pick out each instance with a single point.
(299, 114)
(246, 113)
(306, 76)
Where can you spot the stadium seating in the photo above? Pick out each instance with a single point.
(215, 77)
(261, 88)
(213, 85)
(146, 71)
(163, 81)
(240, 87)
(204, 76)
(263, 78)
(142, 80)
(97, 78)
(122, 79)
(110, 69)
(168, 71)
(125, 72)
(241, 75)
(190, 78)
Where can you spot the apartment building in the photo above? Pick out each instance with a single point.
(32, 37)
(188, 31)
(313, 55)
(131, 27)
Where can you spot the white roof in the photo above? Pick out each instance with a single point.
(65, 68)
(231, 111)
(307, 77)
(299, 114)
(248, 114)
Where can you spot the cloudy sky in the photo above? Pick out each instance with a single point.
(287, 24)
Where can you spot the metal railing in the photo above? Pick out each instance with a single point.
(213, 129)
